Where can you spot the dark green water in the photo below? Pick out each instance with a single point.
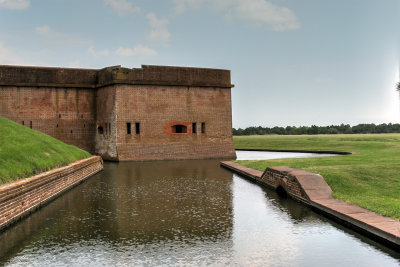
(185, 213)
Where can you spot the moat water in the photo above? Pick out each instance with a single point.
(185, 213)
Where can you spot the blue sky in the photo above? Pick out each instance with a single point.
(293, 62)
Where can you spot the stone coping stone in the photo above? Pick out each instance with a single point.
(248, 172)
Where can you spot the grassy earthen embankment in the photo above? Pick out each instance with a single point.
(25, 152)
(370, 178)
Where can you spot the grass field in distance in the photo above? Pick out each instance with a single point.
(370, 178)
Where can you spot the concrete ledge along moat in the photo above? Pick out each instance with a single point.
(312, 190)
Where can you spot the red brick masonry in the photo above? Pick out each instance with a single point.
(19, 199)
(312, 190)
(125, 114)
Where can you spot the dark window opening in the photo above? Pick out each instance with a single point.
(179, 128)
(128, 128)
(137, 127)
(281, 191)
(71, 131)
(30, 124)
(59, 115)
(109, 128)
(203, 127)
(57, 125)
(194, 127)
(100, 129)
(82, 116)
(23, 123)
(84, 125)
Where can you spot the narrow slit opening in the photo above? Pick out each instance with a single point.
(194, 127)
(128, 128)
(137, 127)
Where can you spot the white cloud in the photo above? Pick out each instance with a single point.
(158, 28)
(9, 56)
(99, 53)
(74, 64)
(278, 18)
(182, 5)
(139, 50)
(65, 38)
(122, 7)
(14, 4)
(45, 29)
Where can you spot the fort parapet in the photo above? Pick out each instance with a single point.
(153, 112)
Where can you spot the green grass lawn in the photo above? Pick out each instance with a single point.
(25, 152)
(370, 178)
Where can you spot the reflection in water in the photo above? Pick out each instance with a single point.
(185, 213)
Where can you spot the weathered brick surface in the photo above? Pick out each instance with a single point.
(158, 108)
(168, 128)
(94, 78)
(47, 76)
(95, 117)
(297, 183)
(287, 182)
(67, 114)
(105, 143)
(165, 75)
(21, 197)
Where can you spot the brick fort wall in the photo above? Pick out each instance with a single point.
(205, 113)
(153, 112)
(67, 114)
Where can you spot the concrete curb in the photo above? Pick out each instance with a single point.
(312, 190)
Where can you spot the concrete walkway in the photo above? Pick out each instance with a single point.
(382, 229)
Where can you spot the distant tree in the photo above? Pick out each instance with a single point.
(333, 131)
(313, 130)
(290, 130)
(363, 128)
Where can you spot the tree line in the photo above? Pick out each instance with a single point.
(332, 129)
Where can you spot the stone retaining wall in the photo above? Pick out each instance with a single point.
(20, 198)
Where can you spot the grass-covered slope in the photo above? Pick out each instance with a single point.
(370, 178)
(25, 152)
